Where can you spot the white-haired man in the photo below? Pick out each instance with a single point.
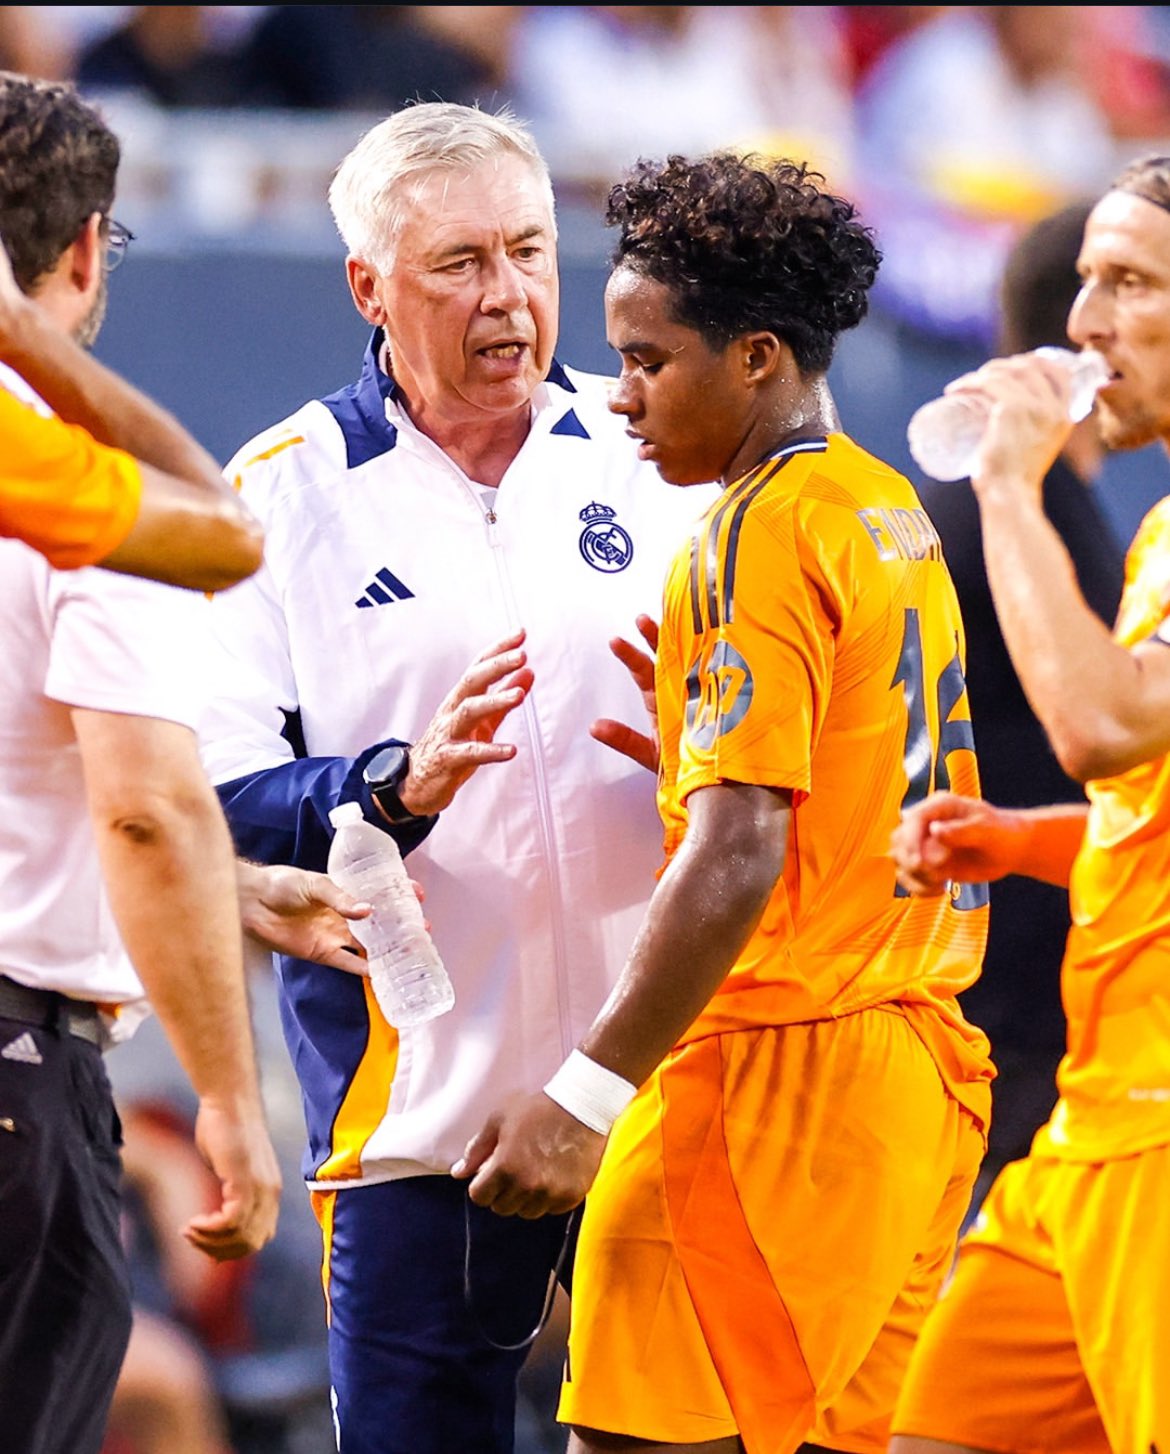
(467, 483)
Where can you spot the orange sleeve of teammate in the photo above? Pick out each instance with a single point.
(62, 492)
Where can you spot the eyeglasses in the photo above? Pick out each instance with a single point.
(118, 239)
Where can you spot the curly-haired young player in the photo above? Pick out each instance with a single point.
(778, 1203)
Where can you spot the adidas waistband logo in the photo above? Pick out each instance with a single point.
(23, 1048)
(384, 590)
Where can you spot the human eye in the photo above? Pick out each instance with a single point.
(636, 363)
(1130, 281)
(529, 254)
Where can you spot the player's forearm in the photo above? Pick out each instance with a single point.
(703, 912)
(193, 533)
(1089, 693)
(192, 529)
(1049, 840)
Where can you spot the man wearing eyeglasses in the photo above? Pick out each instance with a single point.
(133, 903)
(108, 476)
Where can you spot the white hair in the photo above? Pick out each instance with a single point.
(380, 179)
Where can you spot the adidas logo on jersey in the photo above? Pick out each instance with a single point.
(384, 590)
(23, 1048)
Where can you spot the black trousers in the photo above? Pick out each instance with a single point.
(64, 1283)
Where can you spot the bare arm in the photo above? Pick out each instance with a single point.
(704, 910)
(189, 532)
(537, 1158)
(170, 873)
(949, 839)
(191, 528)
(1105, 707)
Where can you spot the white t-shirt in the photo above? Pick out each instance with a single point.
(86, 638)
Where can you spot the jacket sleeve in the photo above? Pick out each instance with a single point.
(276, 798)
(281, 814)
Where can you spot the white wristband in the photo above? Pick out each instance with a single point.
(594, 1095)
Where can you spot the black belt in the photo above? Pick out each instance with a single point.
(48, 1010)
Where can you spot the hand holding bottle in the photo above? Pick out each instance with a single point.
(408, 978)
(946, 435)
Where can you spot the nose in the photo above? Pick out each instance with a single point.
(503, 287)
(1087, 320)
(620, 396)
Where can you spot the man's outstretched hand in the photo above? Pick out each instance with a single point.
(460, 737)
(641, 746)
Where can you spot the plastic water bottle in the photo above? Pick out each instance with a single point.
(406, 973)
(944, 435)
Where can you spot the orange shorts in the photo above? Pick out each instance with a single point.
(774, 1214)
(1055, 1332)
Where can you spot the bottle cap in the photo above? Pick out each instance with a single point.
(346, 813)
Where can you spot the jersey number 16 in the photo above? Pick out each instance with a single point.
(924, 757)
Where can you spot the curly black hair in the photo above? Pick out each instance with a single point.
(58, 166)
(747, 243)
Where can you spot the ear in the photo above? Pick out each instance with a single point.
(764, 357)
(363, 287)
(85, 260)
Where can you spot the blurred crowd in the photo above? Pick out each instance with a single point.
(954, 125)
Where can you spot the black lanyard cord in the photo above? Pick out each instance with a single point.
(550, 1294)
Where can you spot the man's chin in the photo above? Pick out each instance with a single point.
(503, 396)
(679, 476)
(1125, 432)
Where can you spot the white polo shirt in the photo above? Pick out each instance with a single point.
(85, 638)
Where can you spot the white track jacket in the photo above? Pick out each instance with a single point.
(386, 572)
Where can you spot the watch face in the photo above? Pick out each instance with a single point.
(383, 773)
(387, 768)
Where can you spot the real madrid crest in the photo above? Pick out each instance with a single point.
(604, 544)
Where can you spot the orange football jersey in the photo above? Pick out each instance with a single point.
(811, 641)
(1114, 1080)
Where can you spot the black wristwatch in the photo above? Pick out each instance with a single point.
(384, 774)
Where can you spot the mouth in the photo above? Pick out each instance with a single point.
(645, 447)
(1114, 374)
(503, 351)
